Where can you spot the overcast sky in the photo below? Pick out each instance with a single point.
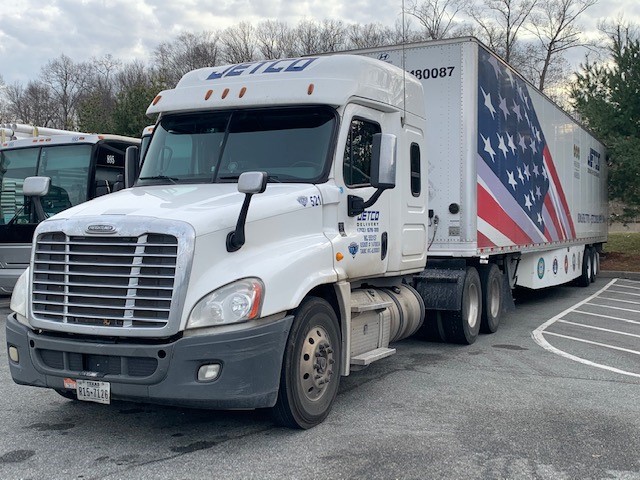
(33, 32)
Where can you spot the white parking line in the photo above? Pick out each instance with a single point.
(614, 308)
(538, 337)
(621, 301)
(598, 328)
(619, 285)
(607, 316)
(590, 342)
(626, 293)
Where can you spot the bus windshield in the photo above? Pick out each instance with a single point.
(291, 144)
(67, 166)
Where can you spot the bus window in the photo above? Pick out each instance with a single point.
(15, 166)
(68, 168)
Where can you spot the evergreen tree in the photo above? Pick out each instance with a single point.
(607, 96)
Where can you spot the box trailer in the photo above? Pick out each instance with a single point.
(293, 219)
(513, 179)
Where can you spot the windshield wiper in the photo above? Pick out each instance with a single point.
(272, 178)
(160, 177)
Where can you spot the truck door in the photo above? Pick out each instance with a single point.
(364, 238)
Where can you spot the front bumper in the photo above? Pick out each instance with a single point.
(166, 373)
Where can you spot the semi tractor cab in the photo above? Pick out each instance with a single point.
(80, 167)
(276, 237)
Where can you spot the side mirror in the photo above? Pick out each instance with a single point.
(383, 172)
(383, 161)
(252, 182)
(131, 166)
(36, 186)
(249, 183)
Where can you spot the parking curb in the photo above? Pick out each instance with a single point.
(617, 274)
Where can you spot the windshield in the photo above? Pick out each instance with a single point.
(66, 165)
(290, 144)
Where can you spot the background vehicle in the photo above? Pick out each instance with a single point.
(81, 167)
(277, 235)
(145, 139)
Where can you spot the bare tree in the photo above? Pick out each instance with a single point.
(555, 27)
(67, 81)
(275, 39)
(437, 17)
(4, 115)
(187, 52)
(31, 104)
(333, 36)
(368, 35)
(95, 109)
(307, 34)
(500, 23)
(403, 31)
(239, 43)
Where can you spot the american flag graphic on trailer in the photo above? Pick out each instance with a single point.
(520, 198)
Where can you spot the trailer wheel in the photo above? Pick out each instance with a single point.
(585, 278)
(595, 264)
(463, 326)
(311, 366)
(491, 281)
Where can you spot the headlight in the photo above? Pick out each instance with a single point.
(237, 302)
(19, 296)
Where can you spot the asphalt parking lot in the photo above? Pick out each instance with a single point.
(602, 331)
(546, 397)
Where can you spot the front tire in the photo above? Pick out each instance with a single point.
(463, 326)
(311, 366)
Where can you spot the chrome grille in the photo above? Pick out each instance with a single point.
(104, 281)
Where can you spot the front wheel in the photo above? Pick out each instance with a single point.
(311, 366)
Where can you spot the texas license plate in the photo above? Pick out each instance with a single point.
(93, 391)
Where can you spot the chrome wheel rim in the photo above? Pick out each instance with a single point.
(316, 363)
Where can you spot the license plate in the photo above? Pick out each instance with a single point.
(94, 391)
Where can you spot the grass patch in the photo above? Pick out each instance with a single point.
(628, 243)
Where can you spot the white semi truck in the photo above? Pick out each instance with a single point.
(293, 219)
(80, 166)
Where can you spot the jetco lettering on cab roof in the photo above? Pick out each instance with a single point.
(277, 66)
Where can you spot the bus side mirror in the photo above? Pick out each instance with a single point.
(37, 187)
